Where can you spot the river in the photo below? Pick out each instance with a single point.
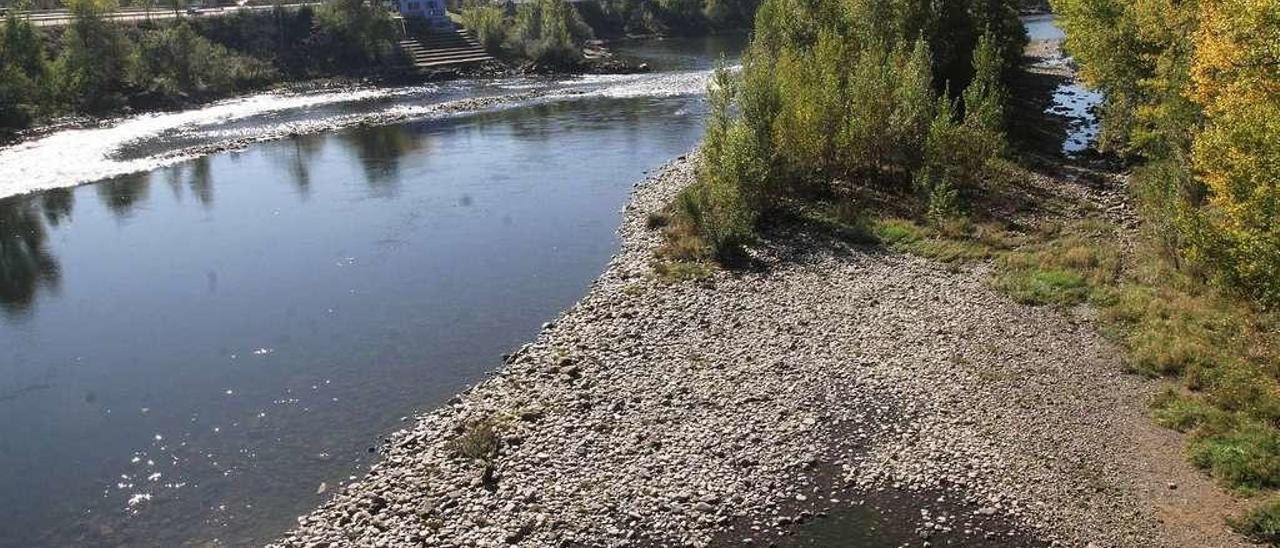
(196, 342)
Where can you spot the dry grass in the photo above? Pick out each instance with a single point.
(478, 441)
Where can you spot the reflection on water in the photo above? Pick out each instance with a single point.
(125, 192)
(26, 264)
(379, 150)
(186, 354)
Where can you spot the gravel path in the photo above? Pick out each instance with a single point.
(745, 406)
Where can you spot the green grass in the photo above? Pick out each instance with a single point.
(1038, 284)
(1064, 266)
(897, 233)
(1244, 454)
(1262, 524)
(956, 241)
(683, 271)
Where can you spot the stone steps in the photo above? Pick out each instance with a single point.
(437, 50)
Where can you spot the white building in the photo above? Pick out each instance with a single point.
(433, 11)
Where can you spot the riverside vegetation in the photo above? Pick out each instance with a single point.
(885, 122)
(97, 66)
(551, 33)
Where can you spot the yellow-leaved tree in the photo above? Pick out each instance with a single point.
(1236, 76)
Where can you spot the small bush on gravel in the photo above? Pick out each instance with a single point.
(479, 441)
(1262, 524)
(656, 220)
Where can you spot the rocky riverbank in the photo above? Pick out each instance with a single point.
(760, 406)
(737, 409)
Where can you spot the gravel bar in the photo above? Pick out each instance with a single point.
(736, 409)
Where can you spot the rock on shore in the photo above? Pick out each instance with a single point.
(660, 414)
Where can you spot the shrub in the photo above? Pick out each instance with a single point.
(1261, 524)
(177, 60)
(488, 23)
(478, 441)
(548, 32)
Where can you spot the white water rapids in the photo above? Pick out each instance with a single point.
(76, 156)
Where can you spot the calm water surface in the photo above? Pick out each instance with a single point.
(188, 352)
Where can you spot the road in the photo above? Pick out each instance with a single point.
(53, 18)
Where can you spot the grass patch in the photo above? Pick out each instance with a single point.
(844, 221)
(1224, 355)
(1262, 524)
(898, 233)
(1031, 283)
(1243, 454)
(1062, 266)
(683, 271)
(952, 241)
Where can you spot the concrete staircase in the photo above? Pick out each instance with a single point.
(442, 49)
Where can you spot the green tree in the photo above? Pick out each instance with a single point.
(178, 60)
(95, 66)
(23, 74)
(548, 32)
(844, 90)
(353, 33)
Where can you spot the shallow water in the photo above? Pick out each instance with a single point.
(1072, 99)
(187, 352)
(1042, 27)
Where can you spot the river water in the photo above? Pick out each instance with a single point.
(191, 347)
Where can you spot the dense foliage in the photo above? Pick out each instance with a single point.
(1193, 89)
(618, 17)
(96, 65)
(855, 92)
(24, 74)
(550, 33)
(177, 61)
(1193, 97)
